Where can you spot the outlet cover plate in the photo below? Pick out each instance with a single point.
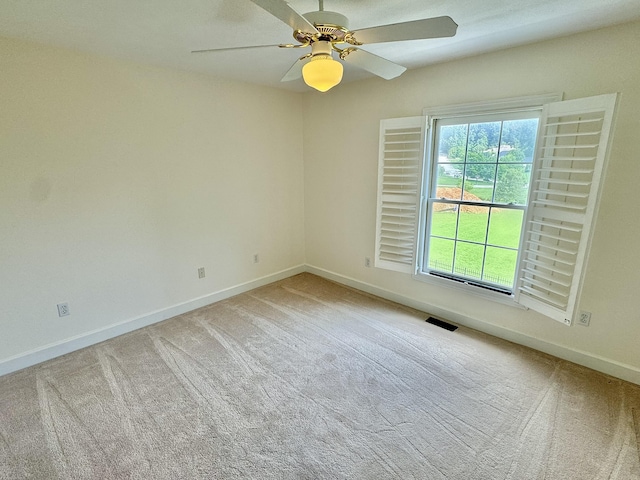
(63, 309)
(584, 319)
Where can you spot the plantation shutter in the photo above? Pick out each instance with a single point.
(401, 157)
(566, 179)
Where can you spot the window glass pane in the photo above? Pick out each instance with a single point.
(473, 223)
(500, 266)
(451, 149)
(450, 174)
(512, 185)
(482, 146)
(504, 227)
(441, 254)
(443, 220)
(453, 144)
(479, 190)
(448, 187)
(468, 260)
(518, 140)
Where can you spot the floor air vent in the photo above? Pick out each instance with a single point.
(441, 324)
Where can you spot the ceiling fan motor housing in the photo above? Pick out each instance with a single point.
(331, 25)
(320, 48)
(327, 18)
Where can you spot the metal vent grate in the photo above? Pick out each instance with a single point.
(441, 324)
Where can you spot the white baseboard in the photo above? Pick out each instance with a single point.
(595, 362)
(69, 345)
(33, 357)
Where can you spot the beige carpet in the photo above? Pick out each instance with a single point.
(306, 379)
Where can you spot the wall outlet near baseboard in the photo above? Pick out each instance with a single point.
(367, 262)
(201, 273)
(584, 319)
(256, 258)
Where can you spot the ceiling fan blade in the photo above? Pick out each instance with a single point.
(436, 27)
(295, 72)
(282, 10)
(208, 50)
(372, 63)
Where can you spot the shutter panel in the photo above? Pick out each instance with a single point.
(401, 158)
(566, 179)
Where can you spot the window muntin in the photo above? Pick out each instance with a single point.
(479, 184)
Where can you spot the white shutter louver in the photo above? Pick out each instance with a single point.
(401, 157)
(566, 179)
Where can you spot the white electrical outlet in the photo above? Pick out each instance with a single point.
(256, 258)
(584, 319)
(63, 309)
(201, 272)
(367, 262)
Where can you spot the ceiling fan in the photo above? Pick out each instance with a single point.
(327, 32)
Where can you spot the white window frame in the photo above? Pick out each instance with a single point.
(531, 289)
(433, 114)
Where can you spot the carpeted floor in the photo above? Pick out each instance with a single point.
(306, 379)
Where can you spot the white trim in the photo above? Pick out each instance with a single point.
(586, 359)
(514, 109)
(469, 288)
(595, 362)
(393, 199)
(48, 352)
(489, 106)
(559, 298)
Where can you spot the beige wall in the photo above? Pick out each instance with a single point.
(341, 144)
(117, 181)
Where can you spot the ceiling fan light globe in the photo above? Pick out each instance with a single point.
(322, 72)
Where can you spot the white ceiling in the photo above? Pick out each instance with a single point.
(164, 32)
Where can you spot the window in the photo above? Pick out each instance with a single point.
(479, 179)
(506, 202)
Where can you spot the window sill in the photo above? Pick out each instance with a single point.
(484, 293)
